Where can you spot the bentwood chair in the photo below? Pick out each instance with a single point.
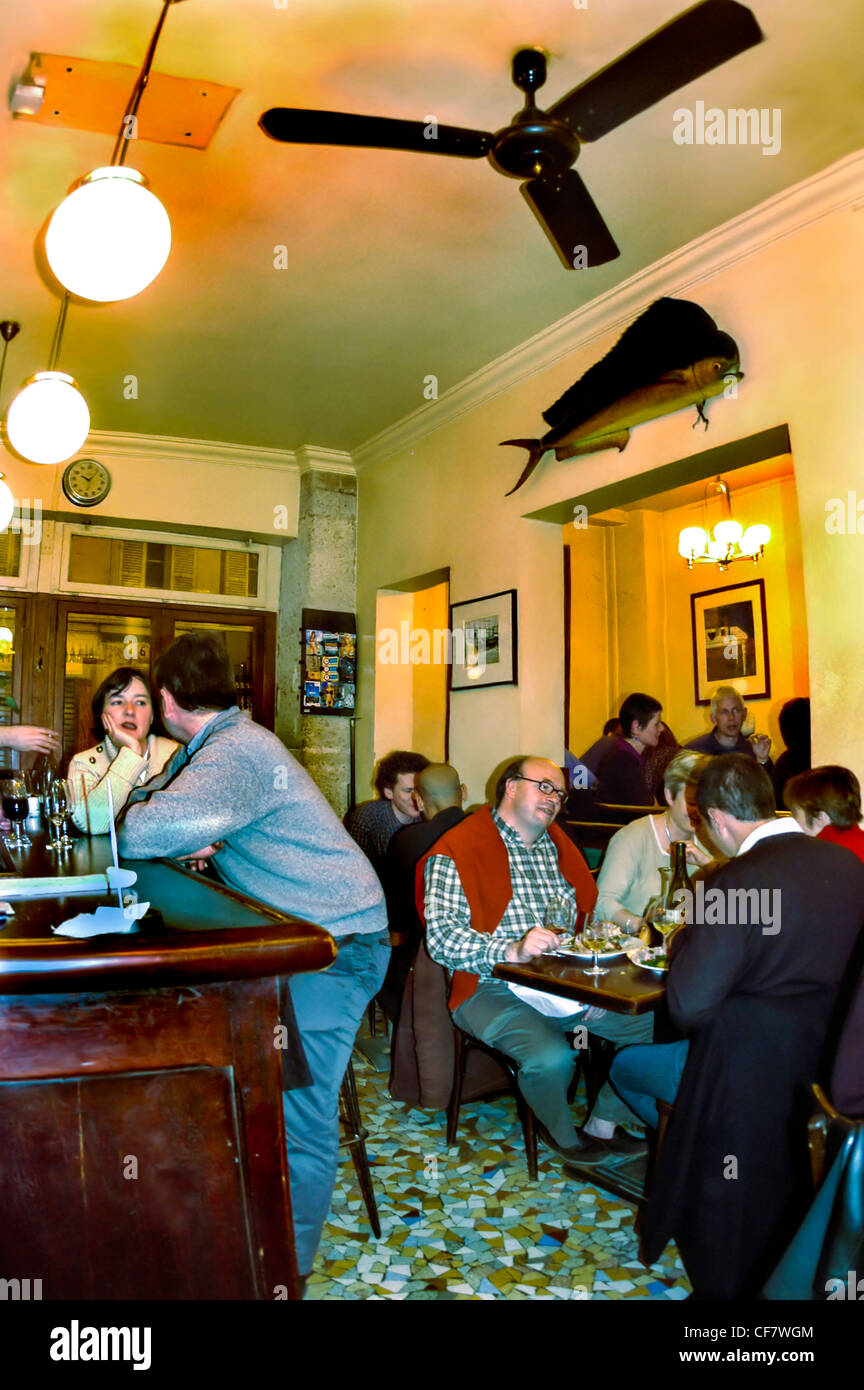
(355, 1138)
(594, 1063)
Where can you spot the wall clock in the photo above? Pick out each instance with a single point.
(86, 482)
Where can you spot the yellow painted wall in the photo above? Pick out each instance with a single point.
(780, 568)
(796, 308)
(410, 693)
(431, 614)
(640, 617)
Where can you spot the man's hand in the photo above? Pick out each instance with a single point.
(28, 738)
(122, 738)
(761, 747)
(197, 862)
(534, 943)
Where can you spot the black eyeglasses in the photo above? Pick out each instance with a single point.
(547, 788)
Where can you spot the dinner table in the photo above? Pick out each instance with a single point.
(141, 1075)
(625, 988)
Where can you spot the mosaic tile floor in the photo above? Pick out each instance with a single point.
(466, 1222)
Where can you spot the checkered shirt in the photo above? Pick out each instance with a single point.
(450, 938)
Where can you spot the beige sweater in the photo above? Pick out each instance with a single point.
(91, 772)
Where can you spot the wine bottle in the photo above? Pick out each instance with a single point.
(679, 877)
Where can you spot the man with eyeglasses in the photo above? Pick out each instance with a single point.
(486, 884)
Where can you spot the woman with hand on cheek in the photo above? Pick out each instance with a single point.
(129, 753)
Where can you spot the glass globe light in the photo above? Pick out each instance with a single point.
(110, 237)
(692, 541)
(728, 532)
(48, 420)
(716, 550)
(7, 507)
(754, 538)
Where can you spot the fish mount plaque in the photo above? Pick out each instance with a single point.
(672, 356)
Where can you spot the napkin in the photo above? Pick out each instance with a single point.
(102, 921)
(552, 1005)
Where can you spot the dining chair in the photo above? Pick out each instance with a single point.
(592, 1062)
(355, 1138)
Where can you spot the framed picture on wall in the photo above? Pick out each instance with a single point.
(483, 642)
(730, 641)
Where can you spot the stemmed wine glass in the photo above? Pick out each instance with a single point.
(58, 810)
(15, 806)
(595, 934)
(560, 915)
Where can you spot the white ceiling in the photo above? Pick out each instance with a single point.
(400, 266)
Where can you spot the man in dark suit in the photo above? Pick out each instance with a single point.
(753, 981)
(439, 794)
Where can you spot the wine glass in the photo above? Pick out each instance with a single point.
(595, 935)
(16, 807)
(58, 810)
(559, 915)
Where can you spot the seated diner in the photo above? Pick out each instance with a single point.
(130, 748)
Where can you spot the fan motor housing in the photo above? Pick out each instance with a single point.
(533, 147)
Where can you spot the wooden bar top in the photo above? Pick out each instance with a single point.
(210, 932)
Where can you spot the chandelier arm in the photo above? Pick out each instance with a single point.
(121, 145)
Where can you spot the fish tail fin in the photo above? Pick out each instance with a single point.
(536, 450)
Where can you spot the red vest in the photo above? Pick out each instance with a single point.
(483, 865)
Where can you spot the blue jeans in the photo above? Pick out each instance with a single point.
(329, 1006)
(644, 1075)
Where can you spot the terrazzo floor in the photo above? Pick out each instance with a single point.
(466, 1222)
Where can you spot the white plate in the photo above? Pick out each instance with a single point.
(645, 956)
(580, 953)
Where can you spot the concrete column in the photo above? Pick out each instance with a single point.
(318, 571)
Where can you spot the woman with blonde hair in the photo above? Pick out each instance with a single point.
(630, 875)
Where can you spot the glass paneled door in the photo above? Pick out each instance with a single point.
(96, 636)
(10, 674)
(96, 644)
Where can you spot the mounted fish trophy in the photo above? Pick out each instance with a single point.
(672, 356)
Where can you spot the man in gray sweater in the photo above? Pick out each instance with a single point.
(234, 793)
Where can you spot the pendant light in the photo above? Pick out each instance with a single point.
(49, 419)
(110, 237)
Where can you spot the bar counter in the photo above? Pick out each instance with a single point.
(142, 1149)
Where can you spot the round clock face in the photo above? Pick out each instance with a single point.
(86, 482)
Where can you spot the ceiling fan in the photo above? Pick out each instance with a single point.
(540, 146)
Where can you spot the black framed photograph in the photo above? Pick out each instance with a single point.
(484, 642)
(329, 683)
(730, 641)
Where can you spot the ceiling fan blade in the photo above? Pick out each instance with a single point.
(301, 127)
(571, 219)
(696, 42)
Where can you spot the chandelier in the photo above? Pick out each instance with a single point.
(730, 541)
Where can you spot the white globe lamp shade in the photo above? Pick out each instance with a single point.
(754, 538)
(692, 542)
(728, 532)
(716, 550)
(7, 507)
(110, 238)
(5, 635)
(48, 420)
